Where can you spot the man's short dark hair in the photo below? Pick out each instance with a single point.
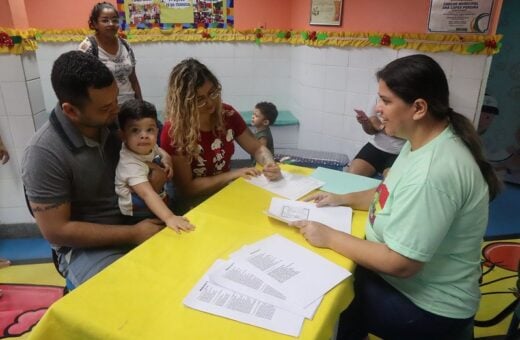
(135, 109)
(74, 72)
(268, 110)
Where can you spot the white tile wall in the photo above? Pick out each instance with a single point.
(464, 93)
(461, 67)
(15, 215)
(363, 102)
(34, 89)
(16, 98)
(316, 84)
(359, 57)
(22, 129)
(30, 66)
(334, 56)
(20, 90)
(18, 156)
(359, 79)
(3, 112)
(333, 125)
(5, 132)
(334, 102)
(45, 56)
(40, 118)
(10, 171)
(11, 68)
(361, 88)
(336, 78)
(11, 195)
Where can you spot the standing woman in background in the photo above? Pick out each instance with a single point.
(112, 50)
(419, 267)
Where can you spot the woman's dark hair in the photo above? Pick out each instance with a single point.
(419, 76)
(96, 12)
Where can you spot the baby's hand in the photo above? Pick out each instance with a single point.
(168, 171)
(179, 223)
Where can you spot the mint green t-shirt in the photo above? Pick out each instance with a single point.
(433, 208)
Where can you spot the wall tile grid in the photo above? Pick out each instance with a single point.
(349, 75)
(321, 86)
(20, 97)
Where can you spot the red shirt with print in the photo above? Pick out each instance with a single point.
(215, 150)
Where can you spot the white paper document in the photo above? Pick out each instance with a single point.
(241, 277)
(291, 186)
(214, 299)
(301, 275)
(339, 218)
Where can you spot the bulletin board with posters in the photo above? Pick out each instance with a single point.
(165, 14)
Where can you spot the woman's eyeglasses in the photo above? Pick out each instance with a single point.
(203, 101)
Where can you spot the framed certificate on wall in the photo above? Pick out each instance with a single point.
(460, 16)
(326, 12)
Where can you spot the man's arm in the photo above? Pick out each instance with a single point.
(56, 226)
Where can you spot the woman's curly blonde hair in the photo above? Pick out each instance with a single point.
(181, 106)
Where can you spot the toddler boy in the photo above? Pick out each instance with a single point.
(137, 197)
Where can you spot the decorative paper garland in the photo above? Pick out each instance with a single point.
(19, 41)
(15, 41)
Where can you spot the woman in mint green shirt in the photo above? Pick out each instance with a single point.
(418, 269)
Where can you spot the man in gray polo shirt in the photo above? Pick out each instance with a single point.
(68, 171)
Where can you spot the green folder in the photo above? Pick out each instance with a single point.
(340, 182)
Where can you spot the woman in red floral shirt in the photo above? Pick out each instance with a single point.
(200, 131)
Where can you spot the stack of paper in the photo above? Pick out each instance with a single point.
(339, 218)
(292, 186)
(273, 283)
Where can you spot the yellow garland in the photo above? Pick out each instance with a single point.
(457, 43)
(28, 41)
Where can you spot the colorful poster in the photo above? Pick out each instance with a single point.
(176, 11)
(210, 13)
(460, 16)
(142, 13)
(164, 14)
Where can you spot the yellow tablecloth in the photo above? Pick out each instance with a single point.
(140, 296)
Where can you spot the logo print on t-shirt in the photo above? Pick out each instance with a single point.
(378, 203)
(200, 168)
(218, 160)
(229, 135)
